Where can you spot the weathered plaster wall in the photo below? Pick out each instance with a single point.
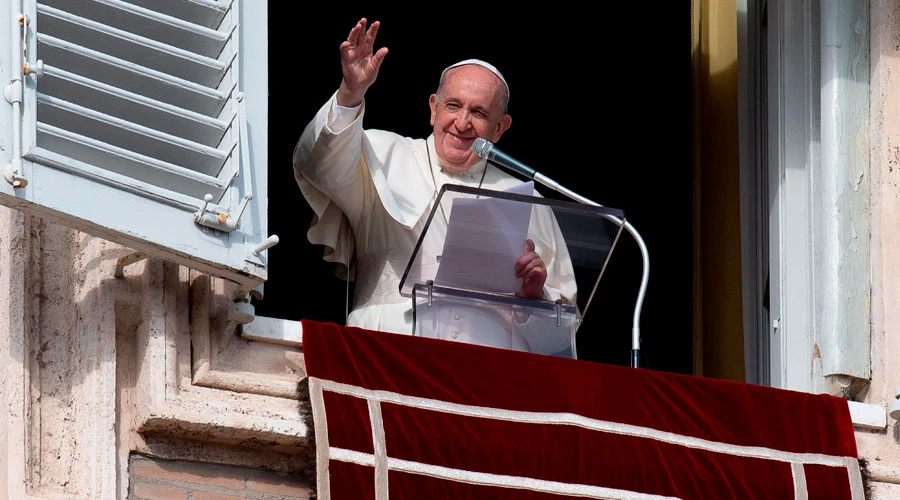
(880, 448)
(12, 356)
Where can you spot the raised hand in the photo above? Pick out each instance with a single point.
(359, 62)
(533, 272)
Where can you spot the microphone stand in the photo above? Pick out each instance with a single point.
(635, 328)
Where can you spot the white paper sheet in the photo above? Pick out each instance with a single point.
(484, 239)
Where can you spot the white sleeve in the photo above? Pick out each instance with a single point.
(340, 117)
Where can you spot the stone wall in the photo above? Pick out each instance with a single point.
(101, 361)
(155, 479)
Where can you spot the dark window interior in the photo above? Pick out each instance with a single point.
(600, 102)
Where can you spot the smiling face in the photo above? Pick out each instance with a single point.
(469, 104)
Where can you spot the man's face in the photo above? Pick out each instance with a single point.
(468, 107)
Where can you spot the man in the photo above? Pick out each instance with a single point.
(372, 190)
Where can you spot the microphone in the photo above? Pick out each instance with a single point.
(486, 149)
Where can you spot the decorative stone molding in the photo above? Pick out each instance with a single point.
(199, 381)
(95, 367)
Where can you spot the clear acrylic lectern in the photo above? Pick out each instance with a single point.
(461, 277)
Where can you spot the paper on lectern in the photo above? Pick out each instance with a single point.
(485, 237)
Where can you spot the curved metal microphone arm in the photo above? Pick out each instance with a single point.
(636, 321)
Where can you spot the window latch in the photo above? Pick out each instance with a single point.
(220, 221)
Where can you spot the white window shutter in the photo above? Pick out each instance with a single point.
(143, 122)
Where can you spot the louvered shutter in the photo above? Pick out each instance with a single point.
(144, 122)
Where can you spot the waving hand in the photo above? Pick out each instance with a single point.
(359, 62)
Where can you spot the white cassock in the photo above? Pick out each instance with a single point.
(371, 192)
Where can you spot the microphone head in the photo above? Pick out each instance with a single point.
(482, 147)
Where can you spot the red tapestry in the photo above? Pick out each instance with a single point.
(404, 417)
